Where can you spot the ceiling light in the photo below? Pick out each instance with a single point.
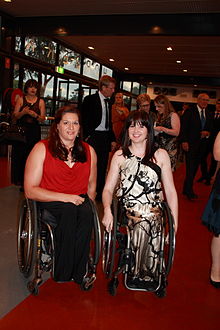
(90, 47)
(111, 60)
(178, 61)
(127, 69)
(150, 83)
(7, 0)
(195, 85)
(169, 48)
(185, 70)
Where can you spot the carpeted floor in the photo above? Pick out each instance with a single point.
(191, 303)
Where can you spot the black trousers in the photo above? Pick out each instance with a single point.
(72, 239)
(100, 141)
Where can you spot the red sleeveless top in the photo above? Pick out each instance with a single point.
(58, 176)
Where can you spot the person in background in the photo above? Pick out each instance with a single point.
(214, 132)
(29, 112)
(97, 126)
(60, 174)
(167, 127)
(143, 103)
(211, 218)
(139, 172)
(196, 126)
(119, 114)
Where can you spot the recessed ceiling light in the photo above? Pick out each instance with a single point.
(127, 69)
(150, 83)
(90, 47)
(185, 70)
(169, 48)
(7, 0)
(178, 61)
(195, 85)
(111, 60)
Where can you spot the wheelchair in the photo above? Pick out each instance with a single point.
(36, 245)
(118, 257)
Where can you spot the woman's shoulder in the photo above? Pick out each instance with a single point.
(160, 154)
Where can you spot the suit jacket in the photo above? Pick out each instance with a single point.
(191, 125)
(91, 112)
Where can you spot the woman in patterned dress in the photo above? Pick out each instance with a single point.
(141, 171)
(167, 128)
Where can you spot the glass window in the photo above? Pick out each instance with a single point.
(135, 88)
(107, 71)
(126, 101)
(18, 44)
(91, 68)
(143, 89)
(133, 104)
(127, 86)
(16, 75)
(62, 89)
(85, 91)
(73, 91)
(48, 86)
(69, 59)
(41, 48)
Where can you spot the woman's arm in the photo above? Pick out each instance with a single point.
(93, 175)
(33, 176)
(175, 124)
(41, 118)
(110, 184)
(17, 114)
(167, 179)
(216, 149)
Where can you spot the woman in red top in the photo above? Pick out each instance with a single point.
(60, 173)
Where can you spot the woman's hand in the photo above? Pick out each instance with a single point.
(75, 199)
(107, 220)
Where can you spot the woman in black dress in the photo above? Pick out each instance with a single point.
(29, 111)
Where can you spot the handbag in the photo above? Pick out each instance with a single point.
(11, 133)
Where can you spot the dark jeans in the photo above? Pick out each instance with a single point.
(72, 238)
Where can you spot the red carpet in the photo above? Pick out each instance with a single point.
(191, 302)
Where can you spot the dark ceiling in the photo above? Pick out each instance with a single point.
(135, 34)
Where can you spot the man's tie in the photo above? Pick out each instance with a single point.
(202, 118)
(106, 113)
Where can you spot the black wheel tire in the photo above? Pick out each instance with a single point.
(112, 286)
(27, 237)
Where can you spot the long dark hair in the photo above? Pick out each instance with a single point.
(56, 146)
(142, 118)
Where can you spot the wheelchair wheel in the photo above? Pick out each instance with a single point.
(95, 245)
(169, 239)
(112, 286)
(109, 244)
(27, 237)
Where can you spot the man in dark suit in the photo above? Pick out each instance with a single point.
(196, 126)
(97, 126)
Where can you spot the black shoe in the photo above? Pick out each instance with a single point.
(215, 284)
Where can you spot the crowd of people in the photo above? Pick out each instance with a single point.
(70, 167)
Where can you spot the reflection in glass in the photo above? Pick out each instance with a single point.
(133, 104)
(143, 89)
(62, 89)
(135, 88)
(107, 71)
(69, 59)
(126, 86)
(91, 68)
(41, 48)
(18, 44)
(73, 91)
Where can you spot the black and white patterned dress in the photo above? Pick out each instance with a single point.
(140, 192)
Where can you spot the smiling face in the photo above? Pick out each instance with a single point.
(137, 132)
(203, 100)
(68, 128)
(160, 108)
